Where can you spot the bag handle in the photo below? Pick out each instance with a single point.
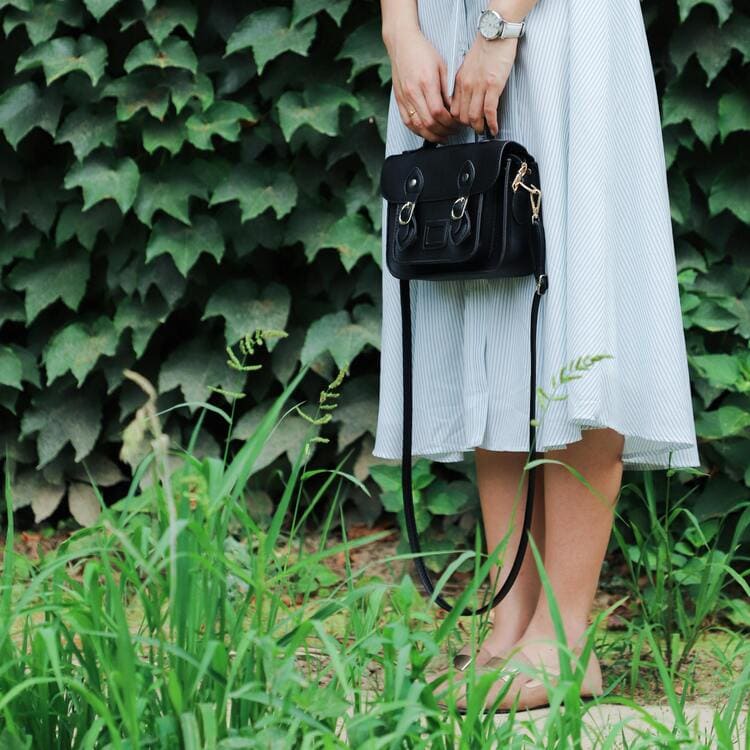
(487, 135)
(538, 252)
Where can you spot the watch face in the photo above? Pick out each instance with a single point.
(489, 25)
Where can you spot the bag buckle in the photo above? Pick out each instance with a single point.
(535, 194)
(409, 205)
(460, 201)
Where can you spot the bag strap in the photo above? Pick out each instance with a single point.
(538, 252)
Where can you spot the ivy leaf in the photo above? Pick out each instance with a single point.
(734, 112)
(721, 370)
(46, 281)
(83, 503)
(195, 367)
(30, 488)
(60, 418)
(168, 190)
(222, 118)
(22, 242)
(723, 8)
(245, 309)
(172, 53)
(170, 135)
(86, 225)
(356, 410)
(364, 47)
(40, 19)
(101, 177)
(167, 16)
(339, 335)
(185, 244)
(731, 191)
(63, 55)
(77, 348)
(269, 34)
(24, 107)
(144, 89)
(99, 8)
(183, 87)
(724, 422)
(317, 105)
(257, 189)
(11, 369)
(353, 238)
(86, 130)
(142, 319)
(305, 8)
(684, 100)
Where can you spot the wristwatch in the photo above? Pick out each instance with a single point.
(492, 25)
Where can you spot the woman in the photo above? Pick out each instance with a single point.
(577, 89)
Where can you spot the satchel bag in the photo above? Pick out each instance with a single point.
(463, 211)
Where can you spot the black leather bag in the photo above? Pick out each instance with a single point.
(463, 211)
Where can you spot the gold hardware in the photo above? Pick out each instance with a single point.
(521, 172)
(462, 199)
(541, 282)
(535, 194)
(410, 206)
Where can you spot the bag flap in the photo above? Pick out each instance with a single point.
(441, 168)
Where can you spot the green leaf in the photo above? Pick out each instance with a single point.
(40, 19)
(723, 422)
(99, 8)
(731, 191)
(303, 9)
(449, 498)
(101, 177)
(222, 118)
(683, 100)
(269, 34)
(339, 335)
(257, 189)
(356, 410)
(721, 370)
(185, 244)
(196, 366)
(172, 53)
(46, 281)
(183, 87)
(59, 418)
(353, 238)
(245, 309)
(734, 112)
(23, 108)
(63, 55)
(167, 16)
(711, 45)
(77, 348)
(22, 242)
(86, 225)
(143, 319)
(142, 90)
(11, 369)
(317, 105)
(170, 135)
(86, 130)
(168, 190)
(723, 8)
(364, 47)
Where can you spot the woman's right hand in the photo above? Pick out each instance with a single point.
(420, 85)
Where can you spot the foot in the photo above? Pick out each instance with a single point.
(525, 674)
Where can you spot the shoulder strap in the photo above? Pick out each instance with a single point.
(538, 251)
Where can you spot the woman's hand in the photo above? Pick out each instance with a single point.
(420, 85)
(480, 81)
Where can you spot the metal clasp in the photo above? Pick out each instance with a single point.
(461, 200)
(541, 284)
(409, 205)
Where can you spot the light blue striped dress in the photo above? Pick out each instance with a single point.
(581, 97)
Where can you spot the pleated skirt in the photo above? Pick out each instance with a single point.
(581, 97)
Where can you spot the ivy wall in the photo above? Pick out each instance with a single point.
(174, 175)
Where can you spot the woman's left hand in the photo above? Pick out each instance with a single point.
(481, 80)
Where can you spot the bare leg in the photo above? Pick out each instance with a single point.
(578, 525)
(498, 473)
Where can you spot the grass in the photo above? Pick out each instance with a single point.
(179, 621)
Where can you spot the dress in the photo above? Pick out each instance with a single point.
(581, 97)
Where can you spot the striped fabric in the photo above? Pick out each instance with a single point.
(581, 97)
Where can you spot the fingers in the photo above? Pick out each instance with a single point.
(491, 104)
(476, 109)
(423, 108)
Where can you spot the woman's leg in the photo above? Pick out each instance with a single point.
(498, 473)
(578, 525)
